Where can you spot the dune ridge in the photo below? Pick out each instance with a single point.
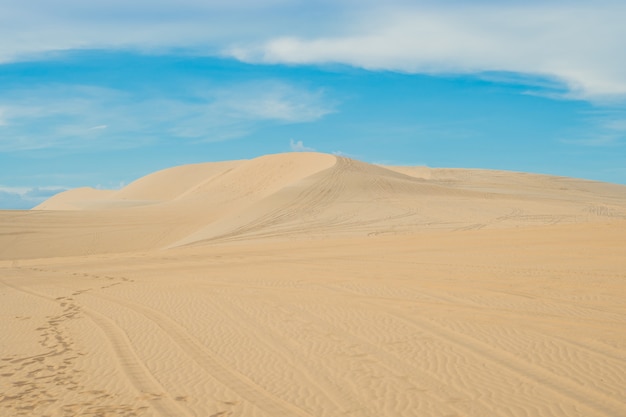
(313, 285)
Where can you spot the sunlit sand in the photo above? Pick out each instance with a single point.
(305, 284)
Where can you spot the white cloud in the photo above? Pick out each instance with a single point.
(298, 146)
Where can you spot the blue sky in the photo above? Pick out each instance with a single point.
(101, 93)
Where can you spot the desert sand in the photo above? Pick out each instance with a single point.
(306, 284)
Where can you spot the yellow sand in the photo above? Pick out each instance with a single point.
(312, 285)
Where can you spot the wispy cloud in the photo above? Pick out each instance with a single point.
(64, 116)
(607, 128)
(86, 117)
(270, 100)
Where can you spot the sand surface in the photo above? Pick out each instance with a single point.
(313, 285)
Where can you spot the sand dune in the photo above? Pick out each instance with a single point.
(295, 196)
(313, 285)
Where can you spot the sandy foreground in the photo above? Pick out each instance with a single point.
(313, 285)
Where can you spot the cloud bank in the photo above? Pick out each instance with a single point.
(577, 43)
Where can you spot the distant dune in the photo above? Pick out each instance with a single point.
(311, 285)
(295, 196)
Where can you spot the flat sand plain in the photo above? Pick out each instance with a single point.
(314, 285)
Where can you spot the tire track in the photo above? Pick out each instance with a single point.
(613, 356)
(134, 369)
(238, 383)
(436, 390)
(337, 394)
(602, 403)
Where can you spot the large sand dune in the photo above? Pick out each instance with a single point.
(295, 196)
(312, 285)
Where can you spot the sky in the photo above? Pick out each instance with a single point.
(101, 93)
